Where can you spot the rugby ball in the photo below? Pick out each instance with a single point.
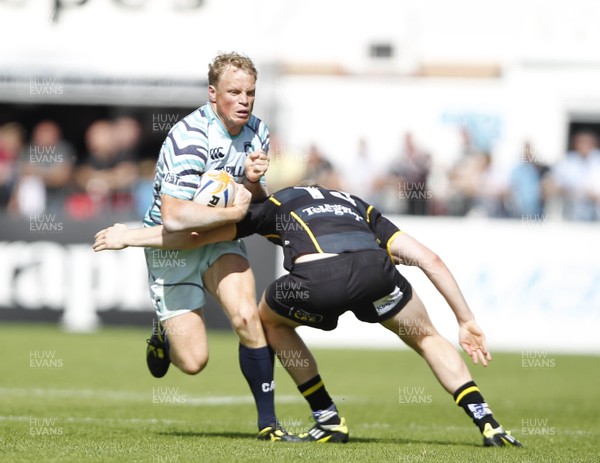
(217, 189)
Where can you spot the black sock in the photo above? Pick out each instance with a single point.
(470, 399)
(257, 368)
(319, 400)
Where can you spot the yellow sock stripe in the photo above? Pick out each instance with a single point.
(465, 392)
(312, 389)
(274, 200)
(388, 246)
(310, 234)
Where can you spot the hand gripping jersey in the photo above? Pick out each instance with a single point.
(309, 220)
(198, 143)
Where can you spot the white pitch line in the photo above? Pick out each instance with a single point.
(165, 392)
(88, 419)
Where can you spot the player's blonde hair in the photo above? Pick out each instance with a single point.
(223, 60)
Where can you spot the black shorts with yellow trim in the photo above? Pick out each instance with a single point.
(316, 293)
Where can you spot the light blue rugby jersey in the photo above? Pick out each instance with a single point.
(197, 143)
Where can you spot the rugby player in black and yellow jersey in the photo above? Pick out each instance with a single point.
(340, 253)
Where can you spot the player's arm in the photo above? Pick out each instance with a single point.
(119, 237)
(409, 251)
(404, 249)
(255, 167)
(184, 215)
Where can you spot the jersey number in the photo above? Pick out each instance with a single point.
(316, 194)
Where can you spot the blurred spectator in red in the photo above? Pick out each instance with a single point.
(12, 136)
(107, 175)
(319, 170)
(575, 178)
(411, 170)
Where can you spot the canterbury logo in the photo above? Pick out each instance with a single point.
(217, 153)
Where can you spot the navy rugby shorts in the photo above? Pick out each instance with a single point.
(316, 293)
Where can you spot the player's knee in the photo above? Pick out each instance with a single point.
(193, 365)
(246, 319)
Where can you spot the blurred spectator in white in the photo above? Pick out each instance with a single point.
(50, 159)
(360, 172)
(575, 178)
(491, 189)
(319, 170)
(287, 166)
(463, 176)
(411, 171)
(108, 174)
(12, 137)
(467, 147)
(464, 184)
(526, 197)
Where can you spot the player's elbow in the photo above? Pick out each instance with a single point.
(172, 223)
(430, 262)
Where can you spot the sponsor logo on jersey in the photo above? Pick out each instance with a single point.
(235, 171)
(247, 147)
(172, 179)
(336, 209)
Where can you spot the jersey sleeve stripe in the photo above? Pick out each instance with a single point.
(272, 199)
(188, 185)
(388, 245)
(189, 128)
(187, 172)
(194, 150)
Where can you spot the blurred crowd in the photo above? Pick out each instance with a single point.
(41, 172)
(413, 183)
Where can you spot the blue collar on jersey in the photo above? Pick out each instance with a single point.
(212, 117)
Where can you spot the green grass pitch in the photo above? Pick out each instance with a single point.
(79, 398)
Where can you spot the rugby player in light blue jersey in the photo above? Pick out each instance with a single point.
(223, 134)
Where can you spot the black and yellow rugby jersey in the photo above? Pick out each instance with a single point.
(309, 220)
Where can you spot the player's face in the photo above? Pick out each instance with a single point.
(233, 98)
